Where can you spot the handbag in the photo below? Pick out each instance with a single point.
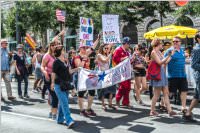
(153, 71)
(66, 85)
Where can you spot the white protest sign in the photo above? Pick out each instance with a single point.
(111, 28)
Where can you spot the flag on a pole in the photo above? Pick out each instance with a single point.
(60, 15)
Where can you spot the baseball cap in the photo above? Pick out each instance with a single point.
(126, 40)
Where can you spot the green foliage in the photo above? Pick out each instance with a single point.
(40, 15)
(3, 32)
(192, 8)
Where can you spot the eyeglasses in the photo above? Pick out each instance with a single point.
(176, 41)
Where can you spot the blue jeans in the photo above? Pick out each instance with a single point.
(63, 107)
(20, 78)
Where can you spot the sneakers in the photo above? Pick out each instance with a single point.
(84, 113)
(71, 124)
(91, 112)
(50, 115)
(54, 116)
(26, 96)
(140, 102)
(21, 97)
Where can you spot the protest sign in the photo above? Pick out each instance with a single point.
(90, 79)
(86, 31)
(111, 28)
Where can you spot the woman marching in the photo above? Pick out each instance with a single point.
(103, 60)
(61, 79)
(139, 66)
(21, 71)
(162, 84)
(46, 67)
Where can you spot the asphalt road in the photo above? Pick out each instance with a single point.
(31, 116)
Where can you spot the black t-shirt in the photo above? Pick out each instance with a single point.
(21, 63)
(62, 71)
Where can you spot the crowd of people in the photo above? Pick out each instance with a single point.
(57, 69)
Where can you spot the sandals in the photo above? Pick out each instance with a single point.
(112, 107)
(172, 113)
(104, 107)
(162, 108)
(154, 113)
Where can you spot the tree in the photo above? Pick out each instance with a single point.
(3, 30)
(38, 16)
(192, 8)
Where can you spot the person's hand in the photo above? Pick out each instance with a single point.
(52, 86)
(112, 50)
(99, 36)
(47, 76)
(18, 73)
(62, 32)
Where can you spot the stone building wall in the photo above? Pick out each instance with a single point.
(170, 19)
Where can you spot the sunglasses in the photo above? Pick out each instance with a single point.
(52, 45)
(176, 41)
(106, 48)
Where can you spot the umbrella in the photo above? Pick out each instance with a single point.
(168, 32)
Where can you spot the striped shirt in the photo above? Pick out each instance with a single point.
(176, 66)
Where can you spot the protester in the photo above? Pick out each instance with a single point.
(162, 84)
(37, 60)
(104, 59)
(5, 68)
(82, 60)
(139, 66)
(21, 71)
(61, 75)
(176, 72)
(119, 55)
(195, 64)
(46, 67)
(72, 54)
(148, 60)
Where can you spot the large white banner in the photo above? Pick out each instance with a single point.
(86, 31)
(90, 80)
(110, 28)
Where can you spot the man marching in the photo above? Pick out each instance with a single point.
(119, 55)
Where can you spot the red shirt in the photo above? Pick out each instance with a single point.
(118, 54)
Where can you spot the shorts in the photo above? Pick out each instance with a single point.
(140, 73)
(81, 93)
(180, 84)
(38, 73)
(197, 91)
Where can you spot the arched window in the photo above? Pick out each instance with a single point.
(130, 30)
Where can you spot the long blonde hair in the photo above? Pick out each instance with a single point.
(49, 49)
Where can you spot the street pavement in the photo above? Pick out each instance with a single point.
(31, 116)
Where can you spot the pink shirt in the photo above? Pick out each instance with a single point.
(50, 59)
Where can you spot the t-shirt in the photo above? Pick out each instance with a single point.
(21, 63)
(176, 66)
(50, 59)
(61, 70)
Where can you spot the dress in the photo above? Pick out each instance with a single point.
(163, 82)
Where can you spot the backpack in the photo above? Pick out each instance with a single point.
(153, 71)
